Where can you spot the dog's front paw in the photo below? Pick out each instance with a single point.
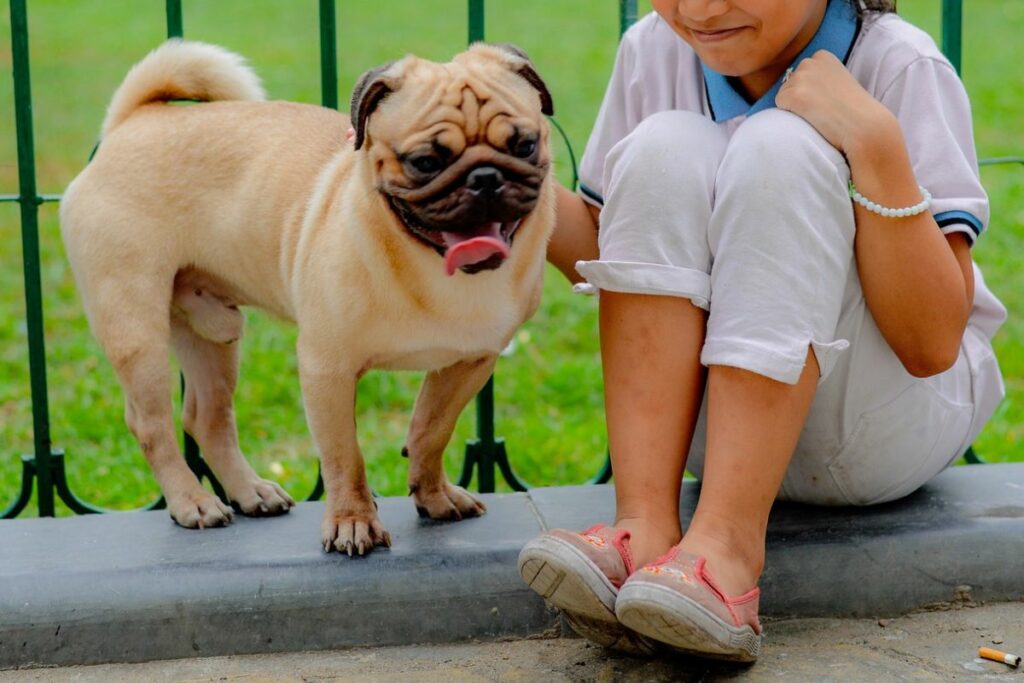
(447, 502)
(353, 533)
(261, 498)
(199, 510)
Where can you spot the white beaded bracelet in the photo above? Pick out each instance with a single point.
(920, 207)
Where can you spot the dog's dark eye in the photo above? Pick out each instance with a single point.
(427, 163)
(525, 148)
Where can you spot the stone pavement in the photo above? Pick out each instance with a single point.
(925, 646)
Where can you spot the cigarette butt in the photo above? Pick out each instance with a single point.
(997, 656)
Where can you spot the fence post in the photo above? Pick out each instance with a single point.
(952, 47)
(29, 201)
(481, 451)
(485, 452)
(328, 55)
(476, 20)
(329, 98)
(952, 30)
(175, 22)
(627, 14)
(193, 457)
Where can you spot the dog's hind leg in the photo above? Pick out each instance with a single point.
(211, 374)
(136, 342)
(440, 402)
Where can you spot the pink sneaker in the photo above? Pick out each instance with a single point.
(580, 573)
(673, 600)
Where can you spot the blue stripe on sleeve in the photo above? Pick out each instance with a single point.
(949, 217)
(591, 194)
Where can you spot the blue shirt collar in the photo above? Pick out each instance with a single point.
(837, 33)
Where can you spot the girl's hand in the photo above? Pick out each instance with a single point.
(821, 91)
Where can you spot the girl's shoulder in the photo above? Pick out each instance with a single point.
(888, 45)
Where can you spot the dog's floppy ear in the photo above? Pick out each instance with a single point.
(372, 87)
(522, 65)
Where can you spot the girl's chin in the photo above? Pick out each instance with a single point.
(729, 64)
(726, 68)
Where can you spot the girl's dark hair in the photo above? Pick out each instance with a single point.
(864, 7)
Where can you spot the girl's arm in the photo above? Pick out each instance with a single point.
(918, 283)
(575, 236)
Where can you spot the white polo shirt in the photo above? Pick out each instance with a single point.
(896, 62)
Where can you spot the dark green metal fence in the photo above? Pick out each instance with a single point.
(44, 469)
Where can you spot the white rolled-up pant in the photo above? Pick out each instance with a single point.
(756, 227)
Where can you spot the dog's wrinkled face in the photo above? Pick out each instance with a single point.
(460, 150)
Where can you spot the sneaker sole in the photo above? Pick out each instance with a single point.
(674, 619)
(570, 581)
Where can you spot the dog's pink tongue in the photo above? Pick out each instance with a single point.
(463, 251)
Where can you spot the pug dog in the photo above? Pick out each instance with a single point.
(417, 243)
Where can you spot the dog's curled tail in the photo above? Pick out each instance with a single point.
(182, 70)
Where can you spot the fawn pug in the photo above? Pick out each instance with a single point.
(416, 243)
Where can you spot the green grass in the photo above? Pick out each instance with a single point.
(548, 391)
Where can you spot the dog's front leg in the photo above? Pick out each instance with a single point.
(350, 521)
(440, 402)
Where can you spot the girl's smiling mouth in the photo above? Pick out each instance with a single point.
(715, 36)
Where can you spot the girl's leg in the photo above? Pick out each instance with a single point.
(654, 279)
(781, 236)
(653, 274)
(875, 433)
(654, 382)
(782, 239)
(753, 426)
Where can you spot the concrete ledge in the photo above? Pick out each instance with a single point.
(134, 587)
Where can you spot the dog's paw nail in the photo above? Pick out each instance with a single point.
(362, 549)
(349, 547)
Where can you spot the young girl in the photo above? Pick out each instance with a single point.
(787, 193)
